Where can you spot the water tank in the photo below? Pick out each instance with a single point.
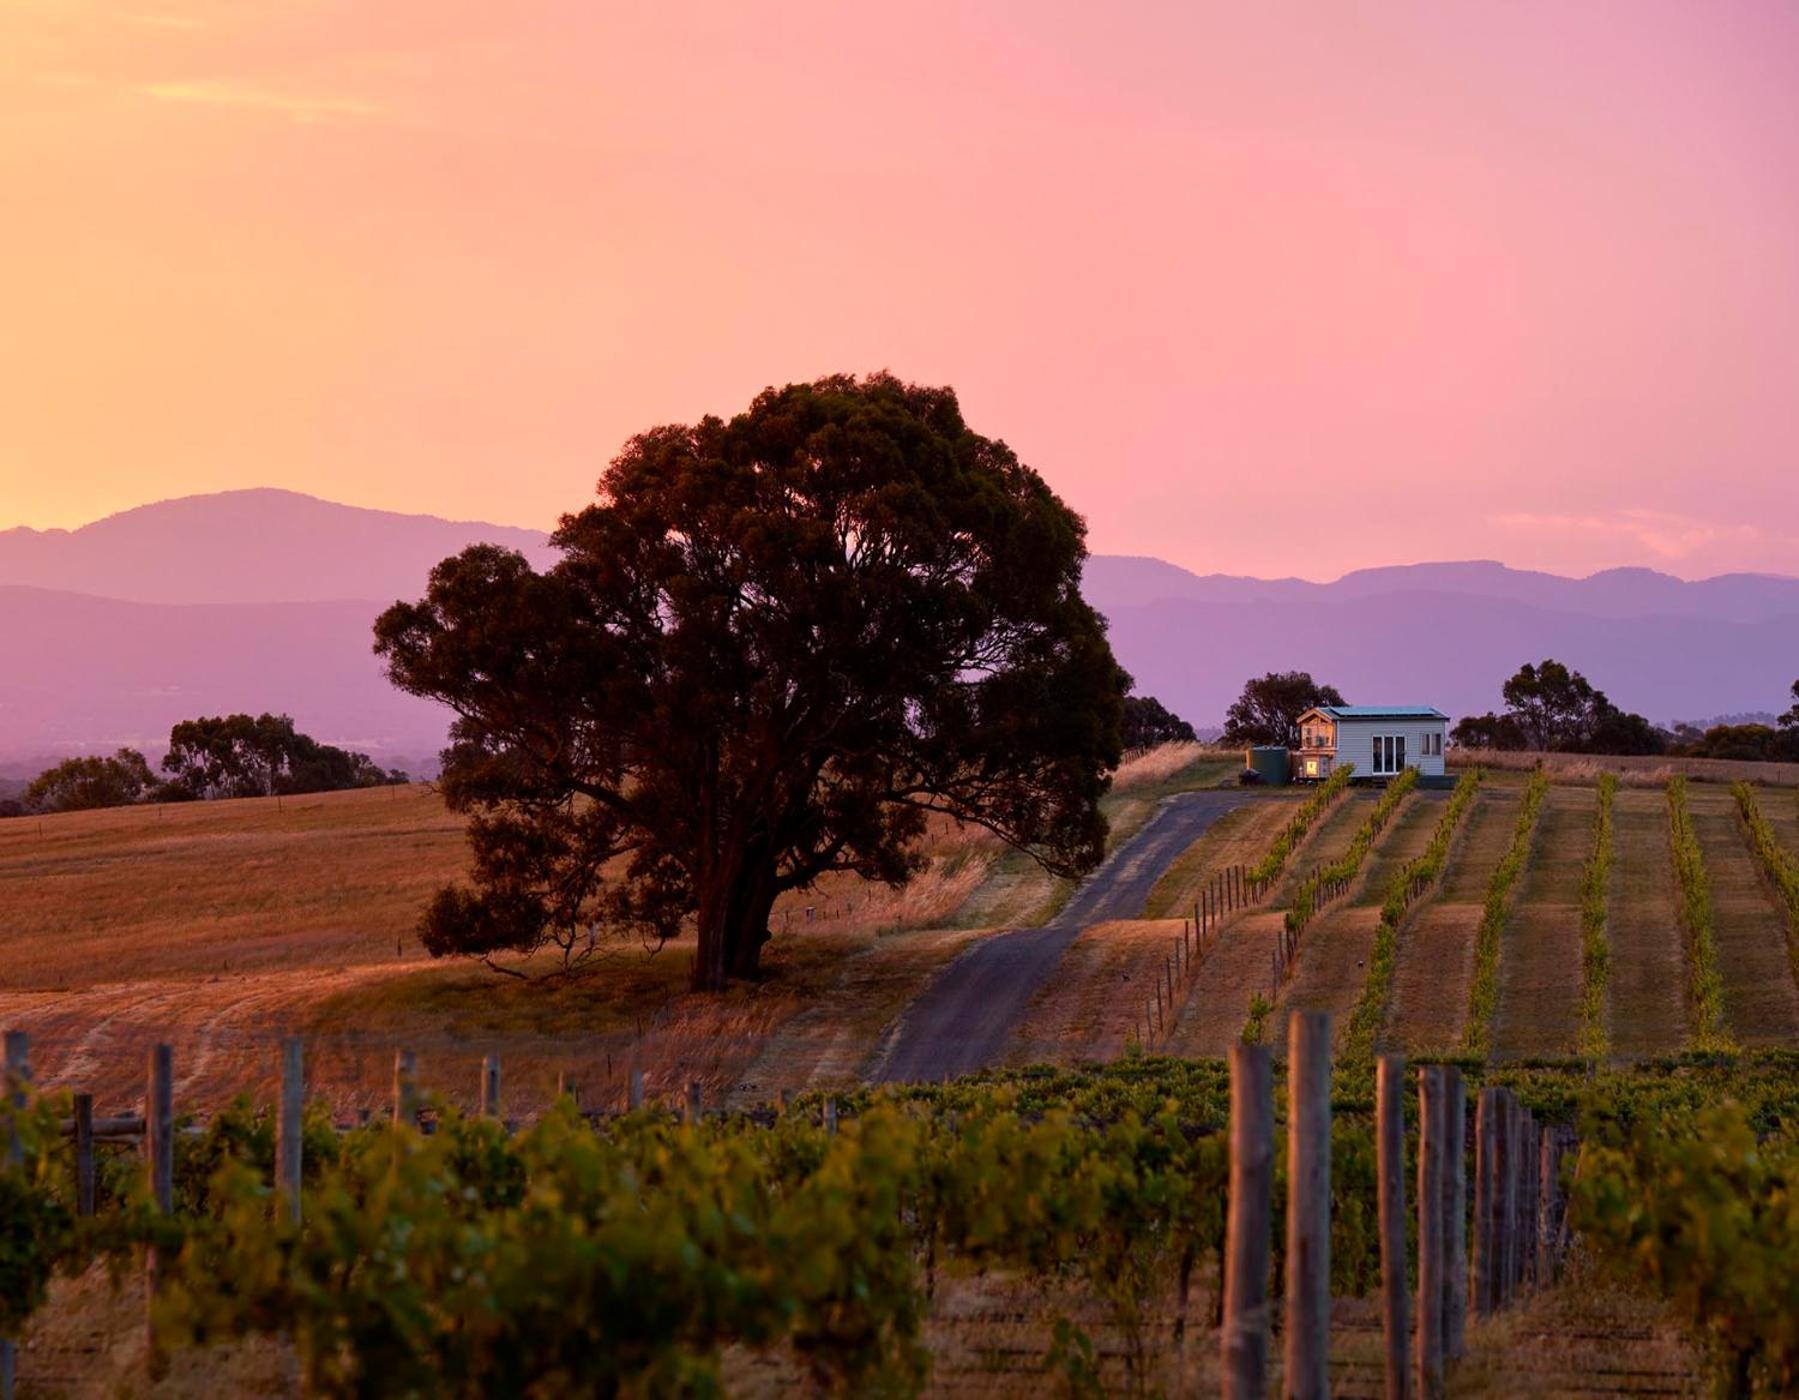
(1271, 761)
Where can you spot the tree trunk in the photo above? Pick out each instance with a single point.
(735, 901)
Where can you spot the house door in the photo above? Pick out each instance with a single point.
(1389, 754)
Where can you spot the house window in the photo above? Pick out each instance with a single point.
(1389, 754)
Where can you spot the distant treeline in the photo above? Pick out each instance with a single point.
(1553, 709)
(210, 757)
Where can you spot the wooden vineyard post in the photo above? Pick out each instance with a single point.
(1389, 1112)
(1432, 1120)
(1244, 1336)
(18, 1071)
(490, 1086)
(1531, 1220)
(406, 1101)
(693, 1101)
(1455, 1213)
(159, 1152)
(84, 1154)
(287, 1127)
(828, 1117)
(1486, 1192)
(1308, 1257)
(1506, 1252)
(634, 1090)
(1549, 1171)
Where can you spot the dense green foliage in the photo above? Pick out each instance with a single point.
(84, 783)
(1483, 993)
(1698, 919)
(1268, 710)
(1281, 849)
(1408, 884)
(625, 1257)
(1550, 707)
(1707, 1213)
(1780, 865)
(1311, 890)
(770, 651)
(260, 756)
(1148, 722)
(1595, 901)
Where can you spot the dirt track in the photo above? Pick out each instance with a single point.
(964, 1018)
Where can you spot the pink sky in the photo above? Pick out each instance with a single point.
(1261, 289)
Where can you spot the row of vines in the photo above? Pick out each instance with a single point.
(1281, 849)
(1698, 920)
(1483, 994)
(1779, 865)
(631, 1255)
(1311, 891)
(1408, 885)
(1595, 901)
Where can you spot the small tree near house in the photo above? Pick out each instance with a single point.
(1268, 710)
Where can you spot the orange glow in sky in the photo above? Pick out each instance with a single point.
(1259, 289)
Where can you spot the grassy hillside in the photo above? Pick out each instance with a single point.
(218, 926)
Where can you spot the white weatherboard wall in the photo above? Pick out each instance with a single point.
(1355, 743)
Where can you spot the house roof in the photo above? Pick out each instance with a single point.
(1379, 712)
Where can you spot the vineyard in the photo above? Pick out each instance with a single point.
(1621, 954)
(837, 1242)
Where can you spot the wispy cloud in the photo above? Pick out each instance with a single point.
(1664, 534)
(299, 107)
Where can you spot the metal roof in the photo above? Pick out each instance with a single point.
(1380, 712)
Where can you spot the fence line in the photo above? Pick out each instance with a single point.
(1520, 1235)
(1229, 890)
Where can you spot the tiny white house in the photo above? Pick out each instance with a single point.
(1382, 741)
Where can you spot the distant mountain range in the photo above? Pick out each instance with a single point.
(262, 546)
(255, 600)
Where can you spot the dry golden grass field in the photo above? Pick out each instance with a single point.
(218, 927)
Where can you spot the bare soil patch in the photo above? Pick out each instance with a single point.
(1089, 1008)
(1238, 838)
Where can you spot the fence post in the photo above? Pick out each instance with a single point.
(1389, 1112)
(1531, 1219)
(829, 1117)
(490, 1086)
(1244, 1335)
(693, 1101)
(287, 1126)
(634, 1091)
(1549, 1186)
(406, 1100)
(18, 1070)
(159, 1151)
(1510, 1131)
(1455, 1212)
(84, 1154)
(1432, 1120)
(1308, 1257)
(1486, 1193)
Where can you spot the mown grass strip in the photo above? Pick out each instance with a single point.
(1407, 886)
(1595, 947)
(1779, 864)
(1305, 898)
(1698, 917)
(1484, 994)
(1281, 849)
